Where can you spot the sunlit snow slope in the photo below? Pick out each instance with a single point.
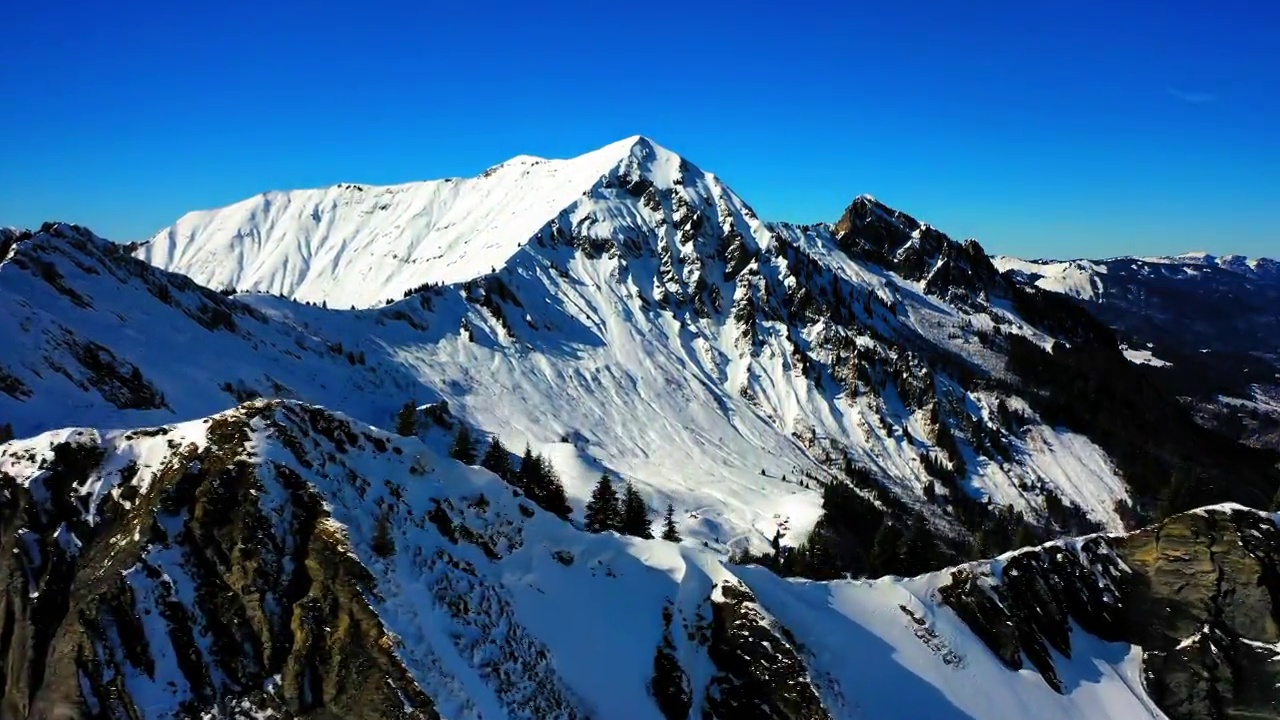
(232, 565)
(635, 312)
(358, 245)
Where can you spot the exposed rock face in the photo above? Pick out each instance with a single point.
(669, 685)
(92, 627)
(1198, 593)
(761, 677)
(959, 272)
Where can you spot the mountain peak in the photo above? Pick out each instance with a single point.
(644, 156)
(360, 245)
(633, 144)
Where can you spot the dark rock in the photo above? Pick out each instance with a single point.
(760, 675)
(270, 600)
(1199, 593)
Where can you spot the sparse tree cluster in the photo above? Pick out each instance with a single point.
(538, 480)
(464, 447)
(534, 475)
(407, 420)
(627, 514)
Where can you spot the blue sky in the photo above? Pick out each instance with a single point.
(1041, 128)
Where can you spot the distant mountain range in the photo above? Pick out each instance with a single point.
(212, 519)
(1207, 326)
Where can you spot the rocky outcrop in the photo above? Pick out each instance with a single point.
(1199, 593)
(187, 597)
(760, 674)
(958, 272)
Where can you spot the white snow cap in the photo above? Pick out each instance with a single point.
(358, 245)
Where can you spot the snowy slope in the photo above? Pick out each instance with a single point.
(1077, 278)
(492, 609)
(94, 334)
(650, 314)
(358, 245)
(617, 339)
(624, 312)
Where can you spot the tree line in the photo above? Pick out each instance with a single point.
(626, 514)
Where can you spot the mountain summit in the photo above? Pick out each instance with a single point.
(358, 245)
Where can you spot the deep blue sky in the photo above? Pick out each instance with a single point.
(1042, 128)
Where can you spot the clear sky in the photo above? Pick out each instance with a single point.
(1042, 128)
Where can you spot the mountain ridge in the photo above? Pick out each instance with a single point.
(267, 516)
(443, 217)
(1203, 325)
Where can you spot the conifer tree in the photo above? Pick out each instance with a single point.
(1025, 535)
(554, 498)
(383, 543)
(407, 420)
(635, 513)
(526, 478)
(670, 532)
(604, 511)
(496, 460)
(918, 552)
(886, 550)
(1177, 495)
(464, 448)
(6, 433)
(980, 548)
(542, 485)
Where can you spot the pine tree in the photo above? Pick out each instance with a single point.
(6, 433)
(496, 460)
(407, 420)
(383, 543)
(918, 551)
(980, 548)
(670, 532)
(542, 485)
(635, 513)
(1025, 536)
(1177, 495)
(554, 498)
(526, 478)
(604, 511)
(886, 550)
(464, 448)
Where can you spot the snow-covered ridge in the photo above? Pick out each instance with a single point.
(360, 245)
(485, 607)
(1085, 279)
(655, 328)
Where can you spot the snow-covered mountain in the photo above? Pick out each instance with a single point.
(862, 398)
(358, 245)
(1207, 326)
(648, 324)
(280, 560)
